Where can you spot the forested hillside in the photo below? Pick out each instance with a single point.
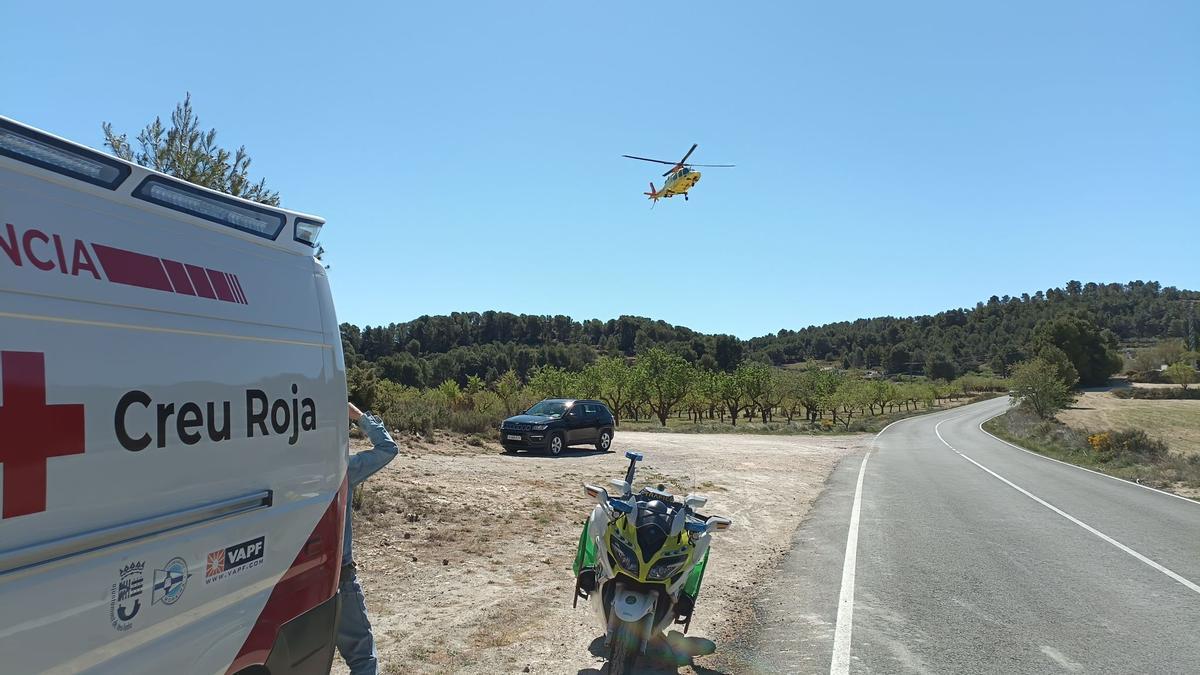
(993, 335)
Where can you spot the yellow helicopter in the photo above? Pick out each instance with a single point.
(680, 177)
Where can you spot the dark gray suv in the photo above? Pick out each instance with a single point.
(555, 424)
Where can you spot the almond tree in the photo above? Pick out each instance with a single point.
(817, 390)
(787, 383)
(733, 397)
(614, 378)
(882, 394)
(552, 382)
(1181, 374)
(1037, 384)
(667, 379)
(707, 392)
(762, 387)
(852, 396)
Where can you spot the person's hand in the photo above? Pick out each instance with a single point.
(355, 413)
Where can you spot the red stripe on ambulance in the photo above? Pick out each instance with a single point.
(133, 269)
(49, 252)
(179, 277)
(220, 285)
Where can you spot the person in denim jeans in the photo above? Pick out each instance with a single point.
(354, 640)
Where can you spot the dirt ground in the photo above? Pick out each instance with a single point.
(1176, 422)
(465, 553)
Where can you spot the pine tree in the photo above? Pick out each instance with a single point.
(186, 151)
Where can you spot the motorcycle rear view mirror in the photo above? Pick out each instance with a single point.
(622, 488)
(634, 458)
(695, 501)
(597, 493)
(717, 523)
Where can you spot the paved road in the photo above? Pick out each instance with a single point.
(973, 556)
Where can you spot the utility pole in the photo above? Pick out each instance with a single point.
(912, 377)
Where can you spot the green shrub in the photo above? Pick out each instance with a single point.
(1023, 423)
(471, 422)
(1158, 393)
(1147, 377)
(415, 416)
(972, 383)
(1132, 455)
(368, 502)
(1137, 445)
(488, 403)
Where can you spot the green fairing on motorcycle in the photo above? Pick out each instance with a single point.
(640, 562)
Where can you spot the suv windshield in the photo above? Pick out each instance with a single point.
(548, 409)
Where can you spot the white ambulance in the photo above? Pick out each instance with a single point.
(173, 426)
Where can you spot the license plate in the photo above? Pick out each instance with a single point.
(514, 437)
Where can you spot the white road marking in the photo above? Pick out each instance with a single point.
(1188, 584)
(1057, 657)
(1076, 466)
(840, 664)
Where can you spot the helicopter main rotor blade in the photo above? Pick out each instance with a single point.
(646, 159)
(720, 165)
(689, 154)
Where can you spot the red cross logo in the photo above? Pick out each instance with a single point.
(31, 432)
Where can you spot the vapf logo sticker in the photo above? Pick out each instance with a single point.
(228, 562)
(126, 599)
(215, 564)
(170, 581)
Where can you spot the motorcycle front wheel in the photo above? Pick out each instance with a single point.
(624, 648)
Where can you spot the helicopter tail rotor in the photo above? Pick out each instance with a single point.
(652, 194)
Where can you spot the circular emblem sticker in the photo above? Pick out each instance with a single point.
(170, 581)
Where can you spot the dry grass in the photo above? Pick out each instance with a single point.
(1177, 423)
(1146, 461)
(465, 553)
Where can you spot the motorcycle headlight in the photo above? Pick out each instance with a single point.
(624, 555)
(667, 567)
(539, 427)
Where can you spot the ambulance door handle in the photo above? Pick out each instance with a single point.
(24, 557)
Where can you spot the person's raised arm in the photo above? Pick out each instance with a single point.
(367, 462)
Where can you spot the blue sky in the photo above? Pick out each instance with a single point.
(892, 158)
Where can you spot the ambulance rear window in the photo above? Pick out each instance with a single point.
(49, 153)
(193, 201)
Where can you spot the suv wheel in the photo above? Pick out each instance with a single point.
(604, 443)
(556, 444)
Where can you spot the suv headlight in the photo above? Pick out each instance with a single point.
(624, 555)
(539, 427)
(667, 567)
